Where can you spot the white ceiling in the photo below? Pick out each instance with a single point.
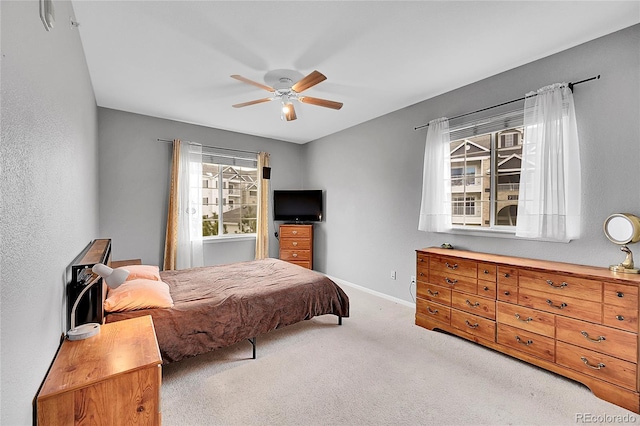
(173, 59)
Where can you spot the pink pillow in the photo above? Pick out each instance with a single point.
(138, 294)
(147, 272)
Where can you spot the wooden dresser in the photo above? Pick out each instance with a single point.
(577, 321)
(108, 379)
(296, 244)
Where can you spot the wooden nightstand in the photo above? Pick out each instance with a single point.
(108, 379)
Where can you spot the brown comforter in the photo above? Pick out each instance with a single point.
(217, 306)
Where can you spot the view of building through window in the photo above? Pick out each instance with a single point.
(485, 179)
(229, 199)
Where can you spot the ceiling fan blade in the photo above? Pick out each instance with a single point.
(257, 101)
(290, 115)
(320, 102)
(309, 81)
(254, 83)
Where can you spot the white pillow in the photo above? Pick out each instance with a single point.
(138, 294)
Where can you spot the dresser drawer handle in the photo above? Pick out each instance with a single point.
(529, 319)
(432, 293)
(295, 254)
(449, 281)
(473, 305)
(294, 232)
(295, 244)
(421, 260)
(486, 271)
(471, 325)
(421, 274)
(560, 306)
(485, 288)
(586, 336)
(431, 312)
(563, 285)
(522, 342)
(507, 293)
(620, 294)
(454, 266)
(619, 317)
(595, 367)
(507, 275)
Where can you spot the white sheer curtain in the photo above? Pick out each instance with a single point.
(435, 209)
(550, 186)
(189, 248)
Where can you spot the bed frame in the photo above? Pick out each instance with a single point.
(168, 348)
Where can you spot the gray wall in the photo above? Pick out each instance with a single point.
(134, 180)
(372, 173)
(48, 191)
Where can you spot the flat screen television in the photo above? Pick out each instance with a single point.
(298, 205)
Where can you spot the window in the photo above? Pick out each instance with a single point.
(485, 179)
(235, 182)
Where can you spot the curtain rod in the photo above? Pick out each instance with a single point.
(509, 102)
(214, 147)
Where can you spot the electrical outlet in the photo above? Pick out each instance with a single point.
(393, 275)
(413, 279)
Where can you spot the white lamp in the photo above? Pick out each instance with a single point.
(113, 278)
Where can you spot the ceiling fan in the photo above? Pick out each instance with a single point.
(285, 90)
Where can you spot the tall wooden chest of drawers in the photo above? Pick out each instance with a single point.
(577, 321)
(296, 244)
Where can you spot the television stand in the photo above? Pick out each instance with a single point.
(296, 244)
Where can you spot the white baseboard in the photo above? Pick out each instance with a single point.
(375, 293)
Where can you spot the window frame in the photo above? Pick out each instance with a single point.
(218, 187)
(494, 147)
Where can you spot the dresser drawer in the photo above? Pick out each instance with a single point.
(507, 275)
(435, 293)
(606, 340)
(422, 259)
(450, 265)
(474, 304)
(453, 281)
(487, 272)
(507, 293)
(295, 254)
(303, 263)
(422, 272)
(562, 285)
(604, 367)
(473, 324)
(487, 289)
(433, 311)
(621, 295)
(295, 244)
(287, 231)
(531, 343)
(619, 317)
(527, 319)
(560, 305)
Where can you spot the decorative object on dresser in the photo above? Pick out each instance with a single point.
(113, 278)
(577, 321)
(296, 244)
(112, 378)
(623, 228)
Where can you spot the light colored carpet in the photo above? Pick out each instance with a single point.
(378, 368)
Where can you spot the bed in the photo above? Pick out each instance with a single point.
(218, 306)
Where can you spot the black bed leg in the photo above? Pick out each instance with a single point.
(253, 344)
(339, 320)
